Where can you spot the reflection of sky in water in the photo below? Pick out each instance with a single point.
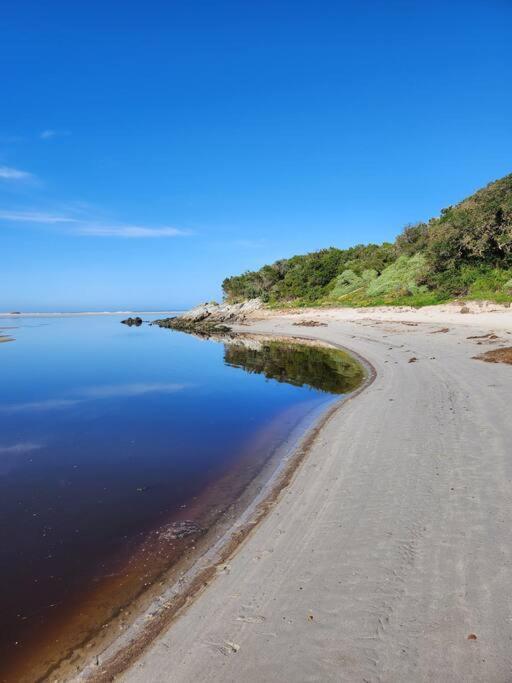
(92, 393)
(105, 431)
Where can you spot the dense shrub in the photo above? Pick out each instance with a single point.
(466, 251)
(307, 277)
(412, 239)
(401, 276)
(477, 231)
(349, 282)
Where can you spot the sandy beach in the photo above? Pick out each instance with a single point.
(388, 555)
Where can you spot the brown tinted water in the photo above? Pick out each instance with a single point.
(119, 448)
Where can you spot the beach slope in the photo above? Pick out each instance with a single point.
(389, 556)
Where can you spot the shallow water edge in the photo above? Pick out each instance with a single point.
(170, 563)
(186, 581)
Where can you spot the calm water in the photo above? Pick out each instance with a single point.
(108, 433)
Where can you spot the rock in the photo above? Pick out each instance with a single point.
(132, 321)
(202, 328)
(180, 530)
(221, 312)
(207, 319)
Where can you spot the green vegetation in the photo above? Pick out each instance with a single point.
(464, 253)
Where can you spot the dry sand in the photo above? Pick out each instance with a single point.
(389, 555)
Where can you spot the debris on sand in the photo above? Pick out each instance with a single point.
(490, 336)
(443, 330)
(496, 356)
(412, 360)
(180, 530)
(310, 323)
(229, 648)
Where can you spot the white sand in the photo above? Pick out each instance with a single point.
(393, 542)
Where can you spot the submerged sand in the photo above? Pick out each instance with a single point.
(388, 556)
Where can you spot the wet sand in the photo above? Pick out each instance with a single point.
(388, 554)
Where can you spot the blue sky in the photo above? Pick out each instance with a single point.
(147, 150)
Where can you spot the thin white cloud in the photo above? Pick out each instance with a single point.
(23, 447)
(9, 173)
(35, 217)
(129, 231)
(82, 226)
(50, 133)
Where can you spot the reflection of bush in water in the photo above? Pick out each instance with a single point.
(326, 369)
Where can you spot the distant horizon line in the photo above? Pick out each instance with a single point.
(20, 314)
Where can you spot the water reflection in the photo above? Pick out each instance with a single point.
(109, 433)
(93, 393)
(321, 368)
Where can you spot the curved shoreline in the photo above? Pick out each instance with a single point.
(388, 556)
(256, 502)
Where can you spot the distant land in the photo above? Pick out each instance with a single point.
(466, 252)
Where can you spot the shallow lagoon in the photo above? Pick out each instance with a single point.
(110, 433)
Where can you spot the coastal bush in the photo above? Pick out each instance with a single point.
(306, 278)
(412, 239)
(466, 251)
(349, 282)
(476, 231)
(401, 277)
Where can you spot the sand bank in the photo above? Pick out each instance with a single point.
(388, 555)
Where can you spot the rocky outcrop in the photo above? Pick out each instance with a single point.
(209, 318)
(222, 313)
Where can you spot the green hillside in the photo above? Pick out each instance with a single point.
(464, 253)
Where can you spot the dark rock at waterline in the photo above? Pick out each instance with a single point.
(132, 321)
(201, 327)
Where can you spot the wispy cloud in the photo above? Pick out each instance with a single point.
(83, 226)
(129, 231)
(9, 173)
(94, 393)
(35, 217)
(23, 447)
(50, 133)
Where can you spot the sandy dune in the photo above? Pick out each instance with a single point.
(389, 556)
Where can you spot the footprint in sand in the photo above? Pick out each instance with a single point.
(251, 619)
